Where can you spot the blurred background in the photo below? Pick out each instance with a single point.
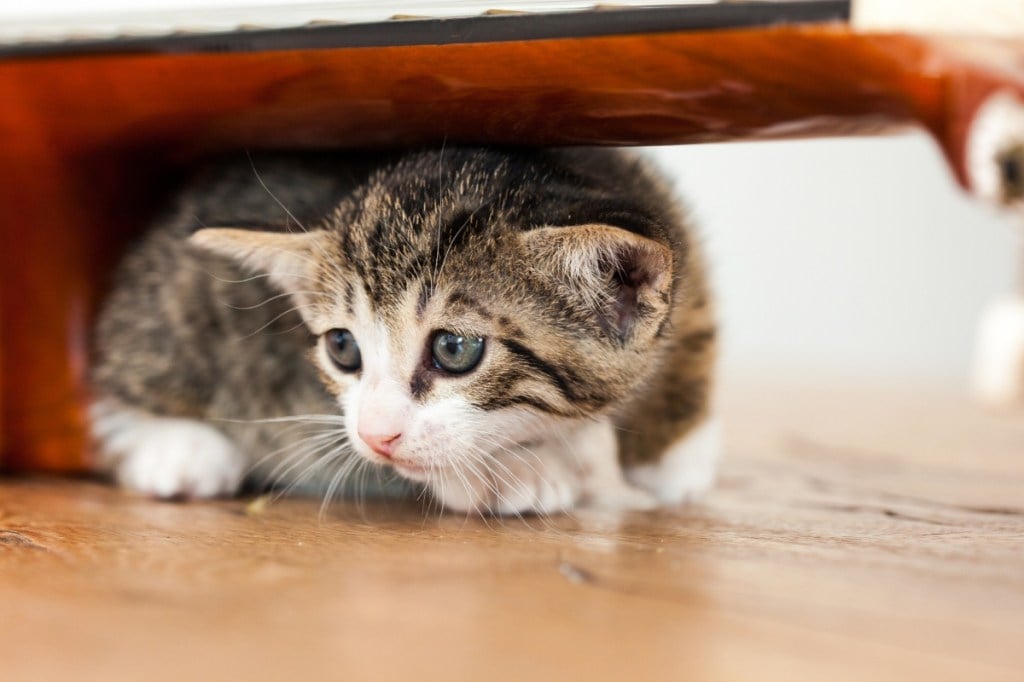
(854, 259)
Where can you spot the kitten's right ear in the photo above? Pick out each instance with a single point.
(625, 278)
(288, 258)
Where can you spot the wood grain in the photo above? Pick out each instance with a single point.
(91, 144)
(836, 547)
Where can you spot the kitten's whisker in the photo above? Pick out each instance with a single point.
(455, 238)
(334, 435)
(433, 481)
(329, 436)
(340, 455)
(340, 436)
(443, 478)
(273, 453)
(288, 487)
(251, 278)
(310, 450)
(289, 330)
(570, 449)
(487, 477)
(469, 488)
(312, 418)
(341, 473)
(493, 475)
(271, 299)
(435, 273)
(362, 476)
(517, 484)
(515, 454)
(346, 471)
(341, 464)
(315, 437)
(480, 456)
(277, 317)
(518, 456)
(271, 194)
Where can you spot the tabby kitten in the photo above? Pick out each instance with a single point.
(515, 330)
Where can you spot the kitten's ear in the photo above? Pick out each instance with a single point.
(287, 258)
(625, 278)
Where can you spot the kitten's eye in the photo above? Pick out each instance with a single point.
(343, 349)
(456, 354)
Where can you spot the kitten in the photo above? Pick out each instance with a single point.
(515, 330)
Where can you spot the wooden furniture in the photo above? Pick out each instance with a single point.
(94, 135)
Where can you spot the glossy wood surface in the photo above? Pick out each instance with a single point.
(855, 535)
(90, 144)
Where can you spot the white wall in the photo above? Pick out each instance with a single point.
(849, 258)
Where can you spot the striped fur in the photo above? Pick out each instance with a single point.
(576, 267)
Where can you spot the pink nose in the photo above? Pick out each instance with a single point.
(383, 445)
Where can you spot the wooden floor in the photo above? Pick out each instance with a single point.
(855, 535)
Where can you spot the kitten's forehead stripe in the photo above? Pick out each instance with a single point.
(350, 295)
(459, 299)
(422, 299)
(508, 327)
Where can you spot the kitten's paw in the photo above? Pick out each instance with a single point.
(686, 470)
(169, 458)
(512, 485)
(595, 451)
(182, 458)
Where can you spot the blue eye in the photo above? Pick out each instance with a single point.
(456, 354)
(343, 349)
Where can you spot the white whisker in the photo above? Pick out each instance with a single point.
(271, 194)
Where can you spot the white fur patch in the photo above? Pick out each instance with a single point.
(167, 457)
(556, 475)
(528, 480)
(596, 450)
(686, 471)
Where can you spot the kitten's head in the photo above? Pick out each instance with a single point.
(452, 323)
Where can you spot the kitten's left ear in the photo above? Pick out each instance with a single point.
(288, 258)
(625, 278)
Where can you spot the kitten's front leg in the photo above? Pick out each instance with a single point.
(579, 468)
(166, 457)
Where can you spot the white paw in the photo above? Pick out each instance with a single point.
(595, 451)
(686, 470)
(166, 457)
(530, 483)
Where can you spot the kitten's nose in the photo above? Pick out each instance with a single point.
(383, 445)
